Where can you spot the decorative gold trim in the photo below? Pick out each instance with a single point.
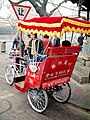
(65, 29)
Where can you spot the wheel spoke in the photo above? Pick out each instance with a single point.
(40, 105)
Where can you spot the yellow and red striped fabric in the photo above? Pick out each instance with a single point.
(54, 25)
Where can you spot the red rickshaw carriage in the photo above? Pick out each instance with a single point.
(53, 74)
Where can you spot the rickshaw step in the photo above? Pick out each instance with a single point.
(20, 86)
(19, 78)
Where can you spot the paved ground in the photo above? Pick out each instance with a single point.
(80, 95)
(14, 106)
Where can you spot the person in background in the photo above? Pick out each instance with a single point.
(21, 46)
(80, 40)
(46, 42)
(27, 44)
(19, 52)
(35, 47)
(15, 41)
(66, 43)
(56, 41)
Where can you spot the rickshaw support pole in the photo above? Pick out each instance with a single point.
(20, 43)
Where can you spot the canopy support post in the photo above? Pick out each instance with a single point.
(72, 36)
(65, 35)
(20, 43)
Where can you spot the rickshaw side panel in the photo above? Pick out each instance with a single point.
(58, 70)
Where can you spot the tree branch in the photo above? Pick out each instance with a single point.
(17, 2)
(39, 1)
(45, 2)
(55, 6)
(36, 7)
(51, 12)
(41, 10)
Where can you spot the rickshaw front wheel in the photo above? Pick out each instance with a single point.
(62, 94)
(9, 75)
(38, 99)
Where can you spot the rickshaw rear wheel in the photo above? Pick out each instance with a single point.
(62, 94)
(9, 75)
(38, 99)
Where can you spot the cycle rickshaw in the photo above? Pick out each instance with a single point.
(53, 74)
